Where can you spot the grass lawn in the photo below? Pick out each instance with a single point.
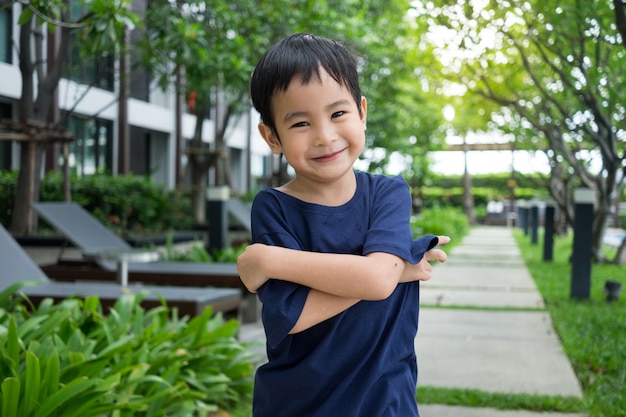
(593, 332)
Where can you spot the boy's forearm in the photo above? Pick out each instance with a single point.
(372, 277)
(320, 306)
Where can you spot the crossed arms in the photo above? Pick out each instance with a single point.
(337, 281)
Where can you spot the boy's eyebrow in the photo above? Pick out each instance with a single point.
(297, 114)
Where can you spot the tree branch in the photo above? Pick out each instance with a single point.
(620, 19)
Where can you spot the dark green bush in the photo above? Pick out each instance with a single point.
(127, 204)
(8, 184)
(453, 196)
(197, 252)
(447, 221)
(498, 181)
(69, 359)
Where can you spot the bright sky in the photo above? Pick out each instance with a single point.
(488, 162)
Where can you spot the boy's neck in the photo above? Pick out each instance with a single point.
(332, 194)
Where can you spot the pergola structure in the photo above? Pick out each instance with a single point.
(468, 201)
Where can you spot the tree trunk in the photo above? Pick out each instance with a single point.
(198, 166)
(35, 110)
(198, 194)
(123, 127)
(468, 198)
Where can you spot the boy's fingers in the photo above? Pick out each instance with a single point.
(436, 255)
(443, 239)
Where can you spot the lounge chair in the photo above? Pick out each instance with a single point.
(89, 235)
(18, 266)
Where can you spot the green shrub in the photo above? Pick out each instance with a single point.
(447, 221)
(499, 181)
(197, 253)
(127, 204)
(8, 185)
(229, 253)
(69, 359)
(453, 196)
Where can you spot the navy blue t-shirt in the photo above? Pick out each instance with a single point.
(361, 362)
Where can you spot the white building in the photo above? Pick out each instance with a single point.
(95, 123)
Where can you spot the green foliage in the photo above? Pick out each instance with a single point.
(229, 253)
(499, 181)
(478, 398)
(447, 190)
(453, 196)
(126, 204)
(69, 359)
(441, 221)
(194, 253)
(593, 332)
(198, 253)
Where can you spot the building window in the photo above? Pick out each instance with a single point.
(139, 74)
(96, 71)
(6, 28)
(93, 71)
(92, 150)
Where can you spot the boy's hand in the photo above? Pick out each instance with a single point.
(249, 267)
(422, 270)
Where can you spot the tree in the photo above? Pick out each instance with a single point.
(559, 65)
(98, 26)
(208, 51)
(216, 46)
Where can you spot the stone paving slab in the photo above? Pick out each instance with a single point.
(481, 286)
(494, 351)
(482, 298)
(487, 253)
(480, 277)
(508, 262)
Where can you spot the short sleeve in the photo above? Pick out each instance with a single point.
(390, 228)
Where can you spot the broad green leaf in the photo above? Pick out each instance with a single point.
(25, 16)
(8, 295)
(10, 397)
(67, 393)
(32, 384)
(125, 344)
(13, 342)
(51, 377)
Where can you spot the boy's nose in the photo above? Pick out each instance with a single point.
(325, 135)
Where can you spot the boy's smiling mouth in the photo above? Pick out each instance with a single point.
(328, 157)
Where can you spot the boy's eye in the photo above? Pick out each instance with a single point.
(338, 114)
(300, 124)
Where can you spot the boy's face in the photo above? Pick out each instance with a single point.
(319, 127)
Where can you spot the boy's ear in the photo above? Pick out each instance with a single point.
(270, 138)
(364, 112)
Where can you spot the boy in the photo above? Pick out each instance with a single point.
(334, 261)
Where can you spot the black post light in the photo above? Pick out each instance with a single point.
(581, 256)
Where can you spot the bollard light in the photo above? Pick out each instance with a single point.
(581, 257)
(612, 290)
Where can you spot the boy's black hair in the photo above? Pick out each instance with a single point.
(301, 55)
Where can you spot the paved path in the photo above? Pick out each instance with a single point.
(482, 326)
(497, 338)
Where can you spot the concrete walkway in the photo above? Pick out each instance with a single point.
(497, 338)
(482, 326)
